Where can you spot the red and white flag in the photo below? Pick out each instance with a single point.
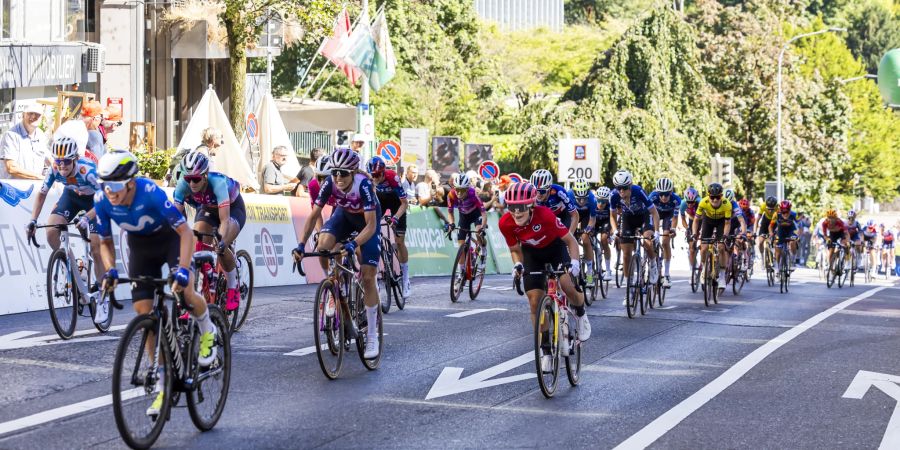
(333, 45)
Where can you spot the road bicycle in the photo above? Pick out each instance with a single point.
(555, 332)
(581, 280)
(637, 289)
(836, 266)
(659, 288)
(390, 279)
(163, 346)
(737, 270)
(695, 273)
(598, 265)
(212, 283)
(821, 264)
(711, 270)
(750, 256)
(855, 256)
(468, 265)
(620, 272)
(768, 259)
(785, 263)
(71, 287)
(867, 262)
(335, 330)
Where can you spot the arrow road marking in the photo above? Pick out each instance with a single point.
(472, 312)
(499, 288)
(65, 411)
(671, 418)
(451, 382)
(20, 339)
(862, 382)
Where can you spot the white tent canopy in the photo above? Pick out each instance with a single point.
(230, 158)
(317, 115)
(272, 134)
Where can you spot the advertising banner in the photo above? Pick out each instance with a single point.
(445, 154)
(414, 142)
(477, 154)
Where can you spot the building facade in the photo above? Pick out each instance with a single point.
(522, 14)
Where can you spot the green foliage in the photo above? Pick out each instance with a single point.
(874, 29)
(590, 12)
(154, 164)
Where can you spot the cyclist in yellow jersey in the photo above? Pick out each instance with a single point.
(767, 212)
(714, 214)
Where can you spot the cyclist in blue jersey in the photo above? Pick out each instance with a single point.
(356, 210)
(854, 227)
(554, 197)
(602, 226)
(667, 204)
(219, 205)
(79, 178)
(688, 212)
(738, 229)
(586, 204)
(639, 217)
(157, 234)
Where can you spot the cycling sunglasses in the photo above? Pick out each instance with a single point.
(517, 208)
(193, 179)
(341, 173)
(114, 186)
(665, 194)
(715, 197)
(543, 191)
(65, 162)
(622, 188)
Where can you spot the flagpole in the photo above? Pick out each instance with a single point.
(308, 66)
(319, 91)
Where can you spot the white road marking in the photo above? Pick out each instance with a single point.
(666, 307)
(20, 339)
(65, 411)
(719, 310)
(56, 365)
(514, 409)
(312, 349)
(887, 384)
(451, 381)
(499, 288)
(664, 423)
(472, 312)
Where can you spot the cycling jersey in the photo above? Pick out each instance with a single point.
(466, 205)
(853, 228)
(638, 204)
(666, 209)
(359, 199)
(558, 201)
(749, 217)
(707, 210)
(82, 181)
(588, 209)
(149, 212)
(766, 212)
(220, 191)
(688, 208)
(833, 227)
(602, 211)
(887, 236)
(543, 229)
(390, 185)
(784, 225)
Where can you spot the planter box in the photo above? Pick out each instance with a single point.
(192, 44)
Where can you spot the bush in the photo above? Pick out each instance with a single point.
(155, 164)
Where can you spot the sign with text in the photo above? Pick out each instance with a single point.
(414, 142)
(579, 158)
(40, 65)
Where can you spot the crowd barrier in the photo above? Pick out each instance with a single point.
(273, 227)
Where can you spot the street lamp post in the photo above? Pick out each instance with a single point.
(861, 77)
(780, 181)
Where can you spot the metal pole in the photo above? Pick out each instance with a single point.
(364, 89)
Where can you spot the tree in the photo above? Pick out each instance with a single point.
(873, 30)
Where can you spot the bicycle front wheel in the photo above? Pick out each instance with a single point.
(62, 295)
(458, 276)
(134, 383)
(245, 287)
(476, 261)
(632, 290)
(329, 330)
(572, 354)
(546, 344)
(103, 301)
(206, 400)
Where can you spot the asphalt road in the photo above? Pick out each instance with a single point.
(761, 370)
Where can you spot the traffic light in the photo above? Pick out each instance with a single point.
(726, 172)
(714, 170)
(343, 138)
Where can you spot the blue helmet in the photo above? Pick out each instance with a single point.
(376, 165)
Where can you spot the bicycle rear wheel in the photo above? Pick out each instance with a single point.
(361, 321)
(62, 296)
(642, 281)
(385, 291)
(209, 392)
(546, 318)
(632, 290)
(245, 287)
(738, 275)
(458, 276)
(709, 278)
(573, 353)
(695, 279)
(134, 381)
(104, 300)
(329, 331)
(477, 273)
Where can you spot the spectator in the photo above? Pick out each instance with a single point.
(274, 182)
(486, 194)
(23, 149)
(212, 138)
(111, 122)
(357, 142)
(92, 114)
(431, 193)
(308, 172)
(409, 183)
(803, 232)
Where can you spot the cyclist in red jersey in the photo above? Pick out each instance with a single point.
(834, 230)
(535, 237)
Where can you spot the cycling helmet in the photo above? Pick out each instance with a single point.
(603, 193)
(851, 214)
(461, 180)
(831, 214)
(581, 188)
(744, 203)
(690, 195)
(622, 178)
(541, 179)
(870, 223)
(771, 202)
(520, 194)
(195, 163)
(344, 158)
(323, 165)
(117, 165)
(786, 206)
(729, 195)
(664, 185)
(714, 189)
(376, 166)
(65, 148)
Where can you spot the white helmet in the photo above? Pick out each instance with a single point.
(541, 179)
(64, 148)
(461, 180)
(344, 158)
(117, 165)
(665, 185)
(323, 165)
(622, 178)
(603, 193)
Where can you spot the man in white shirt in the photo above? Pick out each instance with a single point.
(23, 149)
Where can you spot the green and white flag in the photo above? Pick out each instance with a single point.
(359, 49)
(384, 64)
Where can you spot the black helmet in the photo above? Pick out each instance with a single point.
(714, 189)
(117, 165)
(771, 202)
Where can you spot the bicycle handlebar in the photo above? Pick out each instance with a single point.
(298, 266)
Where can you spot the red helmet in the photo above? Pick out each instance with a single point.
(744, 203)
(520, 194)
(785, 205)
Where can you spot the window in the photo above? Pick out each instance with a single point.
(5, 12)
